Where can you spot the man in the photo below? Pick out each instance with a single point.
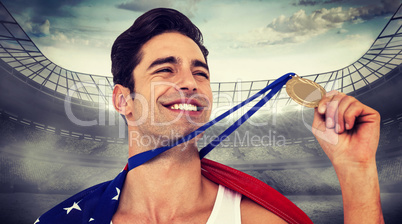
(173, 56)
(163, 89)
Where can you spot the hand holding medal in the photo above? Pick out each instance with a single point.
(341, 123)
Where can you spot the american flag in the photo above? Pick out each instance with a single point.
(98, 204)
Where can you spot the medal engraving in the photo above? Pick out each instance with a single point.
(304, 91)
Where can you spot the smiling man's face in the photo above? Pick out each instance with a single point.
(172, 87)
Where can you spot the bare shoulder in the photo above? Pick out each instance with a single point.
(251, 212)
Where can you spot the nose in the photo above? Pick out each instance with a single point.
(186, 82)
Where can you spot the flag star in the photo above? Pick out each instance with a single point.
(118, 194)
(74, 206)
(91, 219)
(37, 221)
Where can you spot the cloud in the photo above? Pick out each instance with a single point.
(318, 21)
(372, 9)
(341, 31)
(37, 29)
(62, 40)
(35, 16)
(42, 29)
(297, 28)
(144, 5)
(315, 2)
(385, 7)
(306, 3)
(61, 37)
(51, 23)
(39, 10)
(301, 26)
(44, 35)
(186, 7)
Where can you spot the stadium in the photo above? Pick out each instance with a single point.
(60, 135)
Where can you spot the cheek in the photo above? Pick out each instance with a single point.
(207, 91)
(160, 88)
(152, 89)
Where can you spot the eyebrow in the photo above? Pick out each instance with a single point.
(173, 60)
(161, 61)
(198, 63)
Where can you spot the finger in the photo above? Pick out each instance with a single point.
(331, 118)
(344, 104)
(318, 122)
(354, 110)
(322, 105)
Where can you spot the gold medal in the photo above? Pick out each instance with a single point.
(304, 91)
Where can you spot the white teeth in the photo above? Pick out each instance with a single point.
(184, 106)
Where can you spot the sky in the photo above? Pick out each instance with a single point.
(247, 39)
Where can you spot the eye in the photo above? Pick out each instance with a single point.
(203, 74)
(164, 70)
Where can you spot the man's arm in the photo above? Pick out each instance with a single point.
(348, 131)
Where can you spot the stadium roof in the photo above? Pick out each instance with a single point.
(34, 68)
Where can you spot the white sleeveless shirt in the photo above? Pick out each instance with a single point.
(226, 208)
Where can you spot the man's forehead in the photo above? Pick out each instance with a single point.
(175, 46)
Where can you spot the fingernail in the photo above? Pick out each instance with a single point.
(347, 126)
(337, 128)
(321, 109)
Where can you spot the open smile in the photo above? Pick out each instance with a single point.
(191, 106)
(185, 107)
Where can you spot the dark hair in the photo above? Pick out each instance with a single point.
(126, 50)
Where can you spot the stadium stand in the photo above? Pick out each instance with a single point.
(390, 170)
(258, 153)
(293, 181)
(291, 151)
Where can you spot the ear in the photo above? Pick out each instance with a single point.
(121, 98)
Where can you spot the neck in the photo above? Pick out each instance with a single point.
(167, 186)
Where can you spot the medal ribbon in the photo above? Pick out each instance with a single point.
(275, 86)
